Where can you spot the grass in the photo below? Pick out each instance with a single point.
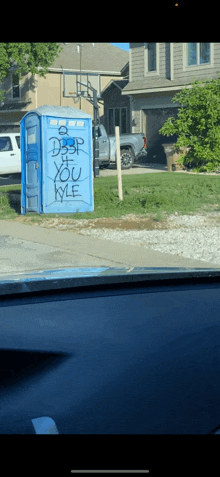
(143, 195)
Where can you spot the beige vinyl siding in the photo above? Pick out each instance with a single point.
(136, 118)
(178, 60)
(164, 60)
(136, 126)
(137, 55)
(162, 56)
(199, 71)
(155, 100)
(217, 54)
(137, 60)
(25, 84)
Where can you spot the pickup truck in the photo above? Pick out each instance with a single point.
(132, 147)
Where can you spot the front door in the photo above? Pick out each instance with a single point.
(33, 163)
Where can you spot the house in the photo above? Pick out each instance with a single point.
(157, 71)
(98, 63)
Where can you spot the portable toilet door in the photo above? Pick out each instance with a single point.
(67, 165)
(30, 164)
(57, 161)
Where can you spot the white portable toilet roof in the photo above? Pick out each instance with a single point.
(61, 112)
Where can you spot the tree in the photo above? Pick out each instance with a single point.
(27, 57)
(198, 124)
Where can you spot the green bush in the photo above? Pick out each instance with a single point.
(197, 125)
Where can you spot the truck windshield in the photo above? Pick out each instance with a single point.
(68, 202)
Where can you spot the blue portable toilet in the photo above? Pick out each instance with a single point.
(56, 161)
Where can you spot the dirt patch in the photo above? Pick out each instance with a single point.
(127, 222)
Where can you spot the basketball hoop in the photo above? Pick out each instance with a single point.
(80, 93)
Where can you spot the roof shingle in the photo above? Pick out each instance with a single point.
(155, 82)
(102, 58)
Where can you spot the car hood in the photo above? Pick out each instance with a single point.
(78, 277)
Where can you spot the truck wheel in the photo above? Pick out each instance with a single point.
(127, 159)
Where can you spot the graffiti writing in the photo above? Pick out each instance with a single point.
(61, 191)
(63, 130)
(66, 173)
(66, 145)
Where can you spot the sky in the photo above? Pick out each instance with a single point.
(123, 46)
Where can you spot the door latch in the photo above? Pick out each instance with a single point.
(37, 165)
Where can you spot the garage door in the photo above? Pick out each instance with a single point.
(155, 119)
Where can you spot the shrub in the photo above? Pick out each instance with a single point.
(197, 125)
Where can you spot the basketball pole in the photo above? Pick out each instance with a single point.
(95, 116)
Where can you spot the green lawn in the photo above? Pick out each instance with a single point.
(154, 193)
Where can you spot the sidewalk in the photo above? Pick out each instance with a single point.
(24, 248)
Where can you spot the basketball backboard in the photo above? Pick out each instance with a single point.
(76, 84)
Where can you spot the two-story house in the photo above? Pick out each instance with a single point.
(157, 71)
(98, 63)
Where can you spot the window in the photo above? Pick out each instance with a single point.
(99, 132)
(123, 121)
(198, 54)
(151, 59)
(204, 53)
(32, 135)
(192, 54)
(151, 56)
(18, 141)
(110, 121)
(5, 144)
(15, 86)
(117, 117)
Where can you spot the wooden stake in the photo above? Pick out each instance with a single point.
(118, 162)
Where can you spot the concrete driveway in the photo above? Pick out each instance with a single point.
(136, 169)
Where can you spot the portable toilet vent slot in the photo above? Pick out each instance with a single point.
(56, 161)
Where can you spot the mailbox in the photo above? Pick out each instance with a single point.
(56, 161)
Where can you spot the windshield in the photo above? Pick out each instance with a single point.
(70, 205)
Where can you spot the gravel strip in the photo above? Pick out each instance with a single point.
(190, 237)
